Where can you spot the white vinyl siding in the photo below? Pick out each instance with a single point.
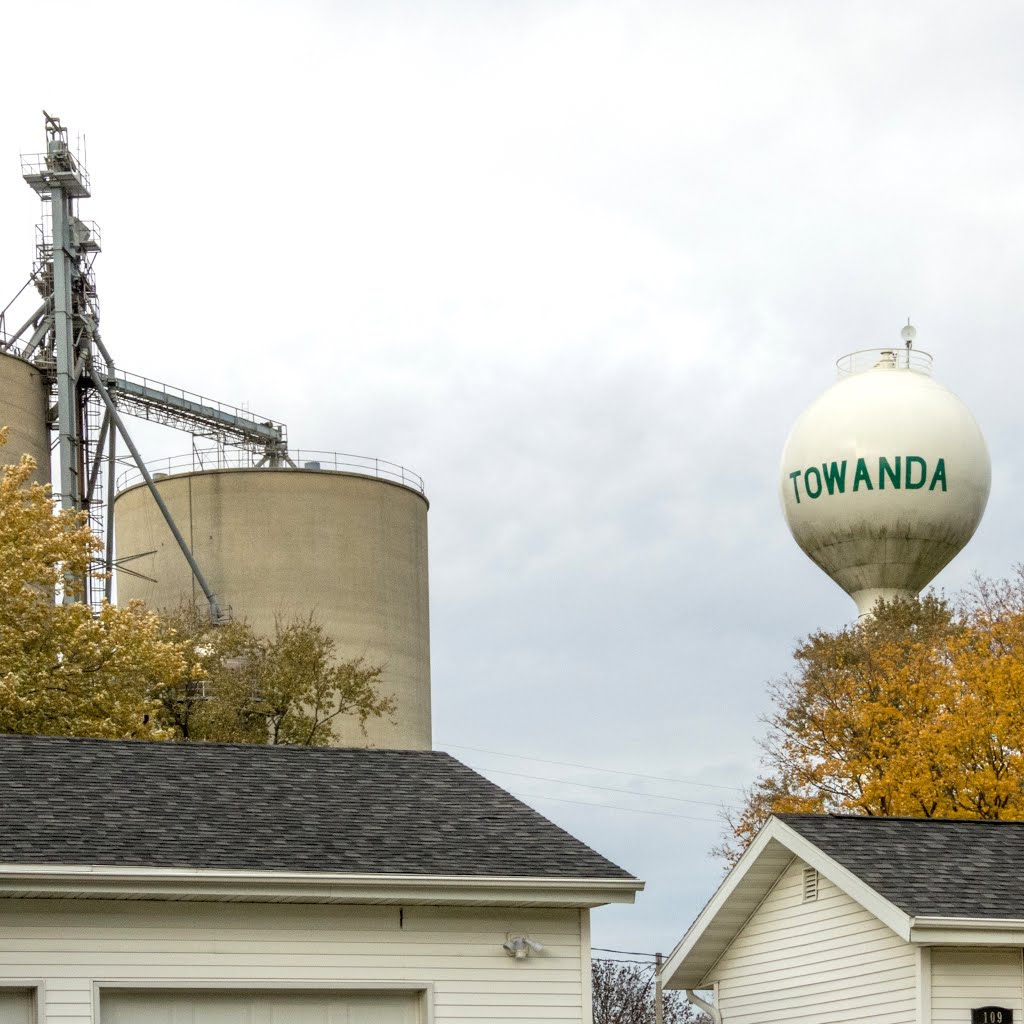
(823, 961)
(127, 1007)
(78, 945)
(965, 978)
(15, 1006)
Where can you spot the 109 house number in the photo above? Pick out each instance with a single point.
(992, 1015)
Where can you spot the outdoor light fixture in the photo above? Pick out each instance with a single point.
(520, 946)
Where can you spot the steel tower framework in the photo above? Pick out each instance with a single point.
(90, 394)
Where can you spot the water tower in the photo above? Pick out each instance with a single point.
(885, 477)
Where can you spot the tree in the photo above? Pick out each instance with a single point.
(240, 687)
(63, 670)
(916, 710)
(623, 993)
(123, 671)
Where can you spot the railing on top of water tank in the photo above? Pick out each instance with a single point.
(896, 358)
(200, 460)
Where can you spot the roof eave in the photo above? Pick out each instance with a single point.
(746, 886)
(967, 931)
(223, 885)
(738, 896)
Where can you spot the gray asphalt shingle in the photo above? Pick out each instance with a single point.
(927, 867)
(130, 803)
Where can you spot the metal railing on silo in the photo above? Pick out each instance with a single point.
(205, 460)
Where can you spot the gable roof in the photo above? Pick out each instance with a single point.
(928, 867)
(928, 879)
(132, 804)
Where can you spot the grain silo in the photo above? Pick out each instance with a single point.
(342, 538)
(250, 530)
(885, 477)
(23, 400)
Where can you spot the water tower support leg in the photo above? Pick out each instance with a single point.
(215, 612)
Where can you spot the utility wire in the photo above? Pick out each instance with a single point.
(593, 768)
(623, 952)
(613, 807)
(607, 789)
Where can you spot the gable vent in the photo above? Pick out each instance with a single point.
(810, 884)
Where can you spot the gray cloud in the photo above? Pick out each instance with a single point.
(581, 265)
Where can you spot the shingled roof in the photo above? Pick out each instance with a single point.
(927, 867)
(196, 805)
(919, 876)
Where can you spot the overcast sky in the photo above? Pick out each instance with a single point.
(580, 265)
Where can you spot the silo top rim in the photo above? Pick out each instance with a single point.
(866, 360)
(234, 459)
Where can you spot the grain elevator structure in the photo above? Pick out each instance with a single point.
(244, 526)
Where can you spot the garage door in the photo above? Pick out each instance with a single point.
(15, 1006)
(212, 1007)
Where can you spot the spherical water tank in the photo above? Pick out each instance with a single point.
(282, 543)
(885, 477)
(23, 398)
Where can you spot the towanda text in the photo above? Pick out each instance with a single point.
(909, 472)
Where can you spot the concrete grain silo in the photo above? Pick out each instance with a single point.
(885, 477)
(284, 542)
(23, 400)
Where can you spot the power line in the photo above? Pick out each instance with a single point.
(595, 768)
(613, 807)
(623, 952)
(607, 789)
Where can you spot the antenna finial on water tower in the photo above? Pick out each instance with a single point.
(908, 334)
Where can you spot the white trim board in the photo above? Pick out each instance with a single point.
(102, 882)
(747, 884)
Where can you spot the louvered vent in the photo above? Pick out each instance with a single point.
(810, 884)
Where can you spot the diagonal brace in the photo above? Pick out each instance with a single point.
(215, 612)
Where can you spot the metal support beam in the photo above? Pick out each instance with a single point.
(108, 583)
(64, 349)
(36, 340)
(94, 473)
(30, 322)
(215, 610)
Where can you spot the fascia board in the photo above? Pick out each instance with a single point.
(677, 972)
(963, 931)
(100, 881)
(731, 907)
(854, 887)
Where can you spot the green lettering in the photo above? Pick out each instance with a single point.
(885, 470)
(861, 473)
(794, 476)
(939, 475)
(835, 476)
(908, 482)
(807, 482)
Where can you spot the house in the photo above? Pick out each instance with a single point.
(159, 883)
(830, 918)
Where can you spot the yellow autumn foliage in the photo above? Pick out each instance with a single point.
(917, 711)
(64, 670)
(124, 671)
